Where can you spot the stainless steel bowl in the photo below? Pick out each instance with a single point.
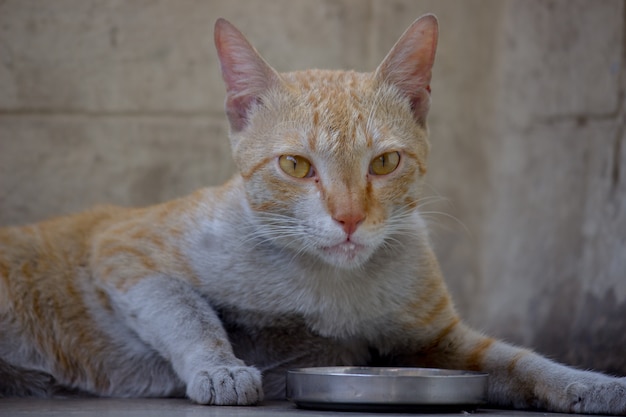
(372, 389)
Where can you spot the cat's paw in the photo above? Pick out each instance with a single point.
(602, 397)
(235, 385)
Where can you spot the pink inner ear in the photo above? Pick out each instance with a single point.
(409, 64)
(246, 75)
(237, 111)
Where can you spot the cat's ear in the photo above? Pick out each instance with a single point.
(246, 75)
(409, 63)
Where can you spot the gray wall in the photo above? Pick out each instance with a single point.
(105, 101)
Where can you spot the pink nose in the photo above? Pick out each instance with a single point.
(349, 221)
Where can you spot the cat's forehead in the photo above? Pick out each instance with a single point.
(324, 87)
(341, 110)
(315, 78)
(331, 106)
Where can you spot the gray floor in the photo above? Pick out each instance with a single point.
(97, 407)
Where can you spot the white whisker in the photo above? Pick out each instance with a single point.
(432, 214)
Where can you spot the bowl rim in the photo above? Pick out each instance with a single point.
(386, 372)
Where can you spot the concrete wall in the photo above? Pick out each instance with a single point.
(106, 101)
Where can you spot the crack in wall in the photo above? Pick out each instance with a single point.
(617, 151)
(161, 114)
(621, 129)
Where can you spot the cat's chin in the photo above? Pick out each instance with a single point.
(346, 254)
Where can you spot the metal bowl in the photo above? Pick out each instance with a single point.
(385, 389)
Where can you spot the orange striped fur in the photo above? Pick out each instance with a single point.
(315, 253)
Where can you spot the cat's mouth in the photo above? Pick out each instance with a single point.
(345, 253)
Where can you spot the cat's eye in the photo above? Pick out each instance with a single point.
(296, 166)
(385, 164)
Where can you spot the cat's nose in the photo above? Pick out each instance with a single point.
(350, 221)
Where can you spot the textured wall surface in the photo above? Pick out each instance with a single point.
(111, 101)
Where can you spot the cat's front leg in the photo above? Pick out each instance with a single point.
(517, 377)
(428, 332)
(523, 379)
(173, 318)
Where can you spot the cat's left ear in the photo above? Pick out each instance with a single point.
(246, 74)
(409, 64)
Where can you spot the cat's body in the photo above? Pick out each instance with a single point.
(314, 254)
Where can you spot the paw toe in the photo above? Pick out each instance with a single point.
(598, 398)
(226, 386)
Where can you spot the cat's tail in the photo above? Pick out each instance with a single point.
(20, 382)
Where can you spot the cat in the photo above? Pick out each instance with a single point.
(314, 254)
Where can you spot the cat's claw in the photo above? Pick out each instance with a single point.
(608, 397)
(236, 385)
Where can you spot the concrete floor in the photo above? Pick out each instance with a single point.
(104, 407)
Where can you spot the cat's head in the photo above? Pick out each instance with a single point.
(332, 161)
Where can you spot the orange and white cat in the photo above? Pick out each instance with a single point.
(315, 253)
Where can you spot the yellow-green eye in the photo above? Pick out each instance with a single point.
(295, 166)
(385, 164)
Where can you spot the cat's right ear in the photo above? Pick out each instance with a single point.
(246, 74)
(409, 64)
